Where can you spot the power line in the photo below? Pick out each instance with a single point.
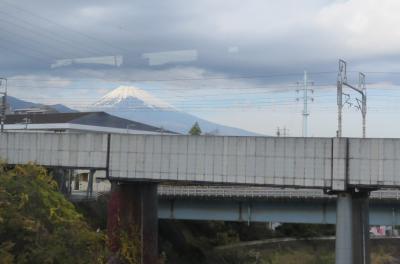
(187, 91)
(48, 35)
(381, 72)
(22, 52)
(60, 25)
(180, 79)
(215, 100)
(55, 34)
(39, 45)
(127, 80)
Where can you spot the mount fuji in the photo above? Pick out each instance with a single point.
(138, 105)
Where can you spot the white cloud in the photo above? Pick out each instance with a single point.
(93, 12)
(362, 28)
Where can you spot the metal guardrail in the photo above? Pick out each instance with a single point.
(258, 192)
(216, 191)
(247, 192)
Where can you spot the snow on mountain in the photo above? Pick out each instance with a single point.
(123, 94)
(138, 105)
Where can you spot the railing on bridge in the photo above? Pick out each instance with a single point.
(218, 191)
(258, 192)
(234, 191)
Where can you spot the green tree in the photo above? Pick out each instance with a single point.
(195, 130)
(38, 225)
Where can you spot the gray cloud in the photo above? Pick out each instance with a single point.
(229, 38)
(271, 36)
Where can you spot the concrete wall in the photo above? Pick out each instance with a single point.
(284, 162)
(51, 149)
(374, 162)
(242, 160)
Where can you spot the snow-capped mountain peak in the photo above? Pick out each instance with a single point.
(124, 94)
(138, 105)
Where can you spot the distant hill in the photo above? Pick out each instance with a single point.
(62, 108)
(136, 104)
(15, 103)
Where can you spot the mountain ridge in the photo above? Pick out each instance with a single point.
(16, 103)
(136, 104)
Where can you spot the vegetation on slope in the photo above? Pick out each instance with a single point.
(38, 225)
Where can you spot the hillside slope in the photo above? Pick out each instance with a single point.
(138, 105)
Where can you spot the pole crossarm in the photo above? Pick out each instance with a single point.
(361, 89)
(354, 88)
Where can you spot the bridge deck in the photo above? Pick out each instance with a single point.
(321, 163)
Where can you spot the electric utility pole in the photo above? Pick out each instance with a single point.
(282, 132)
(361, 89)
(3, 103)
(305, 97)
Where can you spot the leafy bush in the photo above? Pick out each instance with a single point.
(38, 225)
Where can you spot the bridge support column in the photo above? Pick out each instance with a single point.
(361, 244)
(89, 189)
(59, 175)
(352, 228)
(132, 212)
(76, 180)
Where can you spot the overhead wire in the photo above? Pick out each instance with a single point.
(47, 49)
(276, 75)
(32, 29)
(97, 40)
(21, 50)
(197, 79)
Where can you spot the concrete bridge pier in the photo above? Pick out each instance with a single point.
(352, 228)
(89, 189)
(132, 213)
(59, 175)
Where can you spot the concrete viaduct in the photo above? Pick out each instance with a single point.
(349, 168)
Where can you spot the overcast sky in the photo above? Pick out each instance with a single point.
(242, 58)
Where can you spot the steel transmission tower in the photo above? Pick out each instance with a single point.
(361, 89)
(305, 98)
